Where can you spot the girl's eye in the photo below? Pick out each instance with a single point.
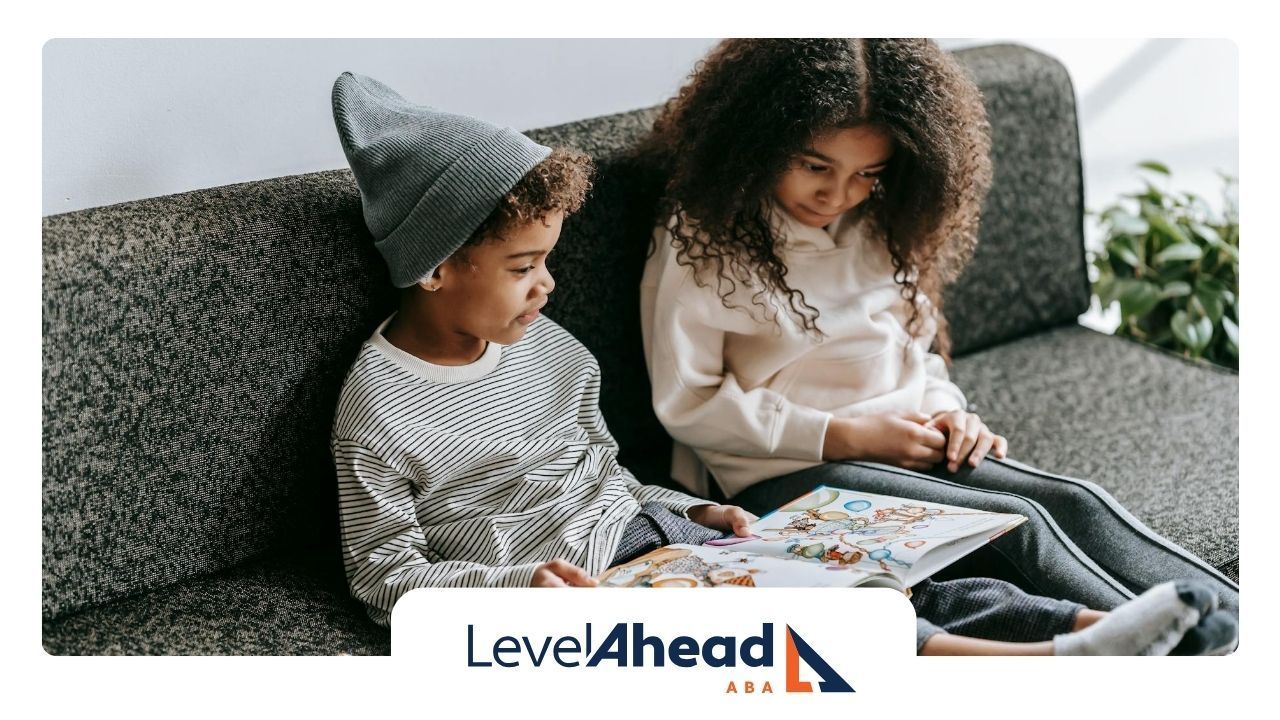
(524, 270)
(815, 168)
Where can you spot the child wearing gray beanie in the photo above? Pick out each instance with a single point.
(468, 440)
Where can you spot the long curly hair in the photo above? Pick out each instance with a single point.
(723, 142)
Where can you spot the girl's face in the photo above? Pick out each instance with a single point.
(835, 173)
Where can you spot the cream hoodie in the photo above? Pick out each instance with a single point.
(752, 397)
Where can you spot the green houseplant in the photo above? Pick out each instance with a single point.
(1173, 266)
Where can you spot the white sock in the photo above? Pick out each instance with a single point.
(1151, 624)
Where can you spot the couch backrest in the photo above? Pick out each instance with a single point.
(1028, 272)
(194, 344)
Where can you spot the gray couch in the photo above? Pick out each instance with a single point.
(194, 346)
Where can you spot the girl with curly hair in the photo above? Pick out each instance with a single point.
(818, 196)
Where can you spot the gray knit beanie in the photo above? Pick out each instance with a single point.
(427, 178)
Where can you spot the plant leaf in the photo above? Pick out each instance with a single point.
(1232, 331)
(1154, 166)
(1209, 293)
(1229, 249)
(1105, 289)
(1208, 233)
(1194, 334)
(1124, 223)
(1180, 252)
(1161, 224)
(1175, 289)
(1137, 297)
(1124, 253)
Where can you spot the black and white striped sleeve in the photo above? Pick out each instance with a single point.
(384, 549)
(598, 433)
(674, 500)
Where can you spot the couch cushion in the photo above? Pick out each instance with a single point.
(1159, 432)
(264, 607)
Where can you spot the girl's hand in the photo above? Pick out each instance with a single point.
(723, 517)
(560, 573)
(967, 437)
(895, 438)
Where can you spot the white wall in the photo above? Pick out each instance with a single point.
(129, 119)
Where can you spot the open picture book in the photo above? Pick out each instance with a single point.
(830, 537)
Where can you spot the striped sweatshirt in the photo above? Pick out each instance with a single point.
(472, 476)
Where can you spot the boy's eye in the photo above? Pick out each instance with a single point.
(871, 175)
(524, 270)
(815, 168)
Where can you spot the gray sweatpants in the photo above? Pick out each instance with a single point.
(989, 609)
(1079, 543)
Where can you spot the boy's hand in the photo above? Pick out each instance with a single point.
(561, 573)
(723, 517)
(895, 438)
(967, 438)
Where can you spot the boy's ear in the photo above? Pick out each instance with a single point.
(433, 281)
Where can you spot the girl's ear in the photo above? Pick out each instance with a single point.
(432, 282)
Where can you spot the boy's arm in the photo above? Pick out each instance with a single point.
(598, 433)
(384, 550)
(674, 500)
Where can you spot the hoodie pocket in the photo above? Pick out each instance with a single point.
(834, 382)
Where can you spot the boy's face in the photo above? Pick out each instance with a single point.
(496, 291)
(834, 174)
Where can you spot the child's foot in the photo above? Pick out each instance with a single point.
(1216, 634)
(1151, 624)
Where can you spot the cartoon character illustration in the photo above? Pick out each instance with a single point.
(677, 567)
(906, 515)
(838, 556)
(813, 522)
(808, 552)
(835, 553)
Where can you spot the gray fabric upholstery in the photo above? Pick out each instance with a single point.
(194, 346)
(262, 607)
(1159, 432)
(1028, 272)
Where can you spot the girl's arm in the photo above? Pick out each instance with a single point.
(940, 394)
(699, 402)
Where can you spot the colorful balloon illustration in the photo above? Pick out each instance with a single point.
(914, 543)
(857, 505)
